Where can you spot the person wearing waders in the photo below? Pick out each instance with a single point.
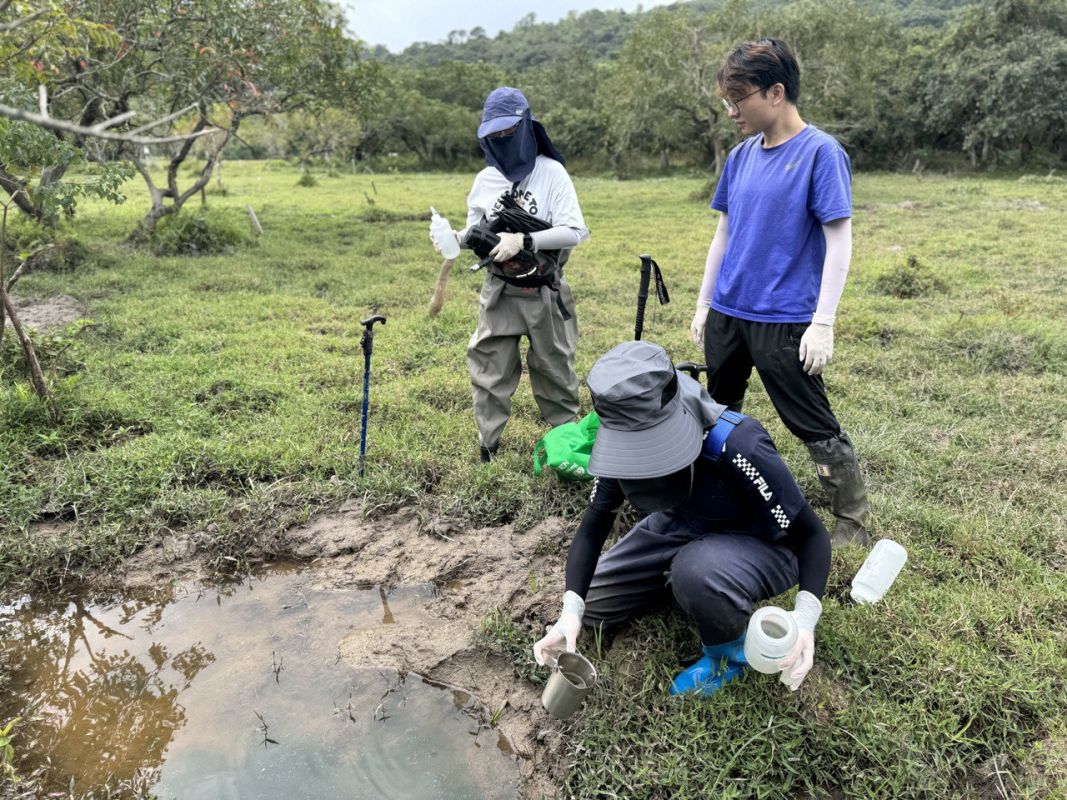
(776, 267)
(726, 526)
(524, 165)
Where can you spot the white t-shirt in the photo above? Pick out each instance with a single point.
(547, 193)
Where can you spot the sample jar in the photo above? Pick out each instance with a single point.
(772, 632)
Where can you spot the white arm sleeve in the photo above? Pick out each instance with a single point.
(711, 267)
(834, 269)
(560, 237)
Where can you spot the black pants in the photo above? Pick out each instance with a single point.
(732, 346)
(716, 578)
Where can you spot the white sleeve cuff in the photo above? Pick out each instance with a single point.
(823, 319)
(807, 610)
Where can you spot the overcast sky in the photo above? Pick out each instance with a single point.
(396, 23)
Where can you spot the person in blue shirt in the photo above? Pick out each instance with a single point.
(776, 267)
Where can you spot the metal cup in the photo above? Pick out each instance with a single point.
(571, 679)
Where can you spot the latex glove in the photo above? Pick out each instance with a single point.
(799, 660)
(436, 244)
(564, 634)
(509, 246)
(816, 347)
(696, 327)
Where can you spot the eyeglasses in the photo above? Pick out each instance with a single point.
(732, 105)
(503, 133)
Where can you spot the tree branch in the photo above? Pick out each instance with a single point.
(6, 27)
(80, 130)
(158, 122)
(14, 187)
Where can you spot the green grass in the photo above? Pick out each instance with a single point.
(225, 390)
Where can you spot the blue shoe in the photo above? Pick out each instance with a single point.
(721, 664)
(734, 651)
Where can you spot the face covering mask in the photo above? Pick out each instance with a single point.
(659, 494)
(514, 155)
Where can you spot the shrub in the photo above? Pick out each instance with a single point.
(307, 179)
(200, 234)
(907, 280)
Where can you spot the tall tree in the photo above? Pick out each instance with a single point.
(35, 41)
(215, 63)
(670, 61)
(999, 83)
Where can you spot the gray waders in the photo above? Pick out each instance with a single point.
(506, 314)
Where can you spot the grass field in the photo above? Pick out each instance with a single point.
(225, 391)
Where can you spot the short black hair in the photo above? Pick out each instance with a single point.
(761, 63)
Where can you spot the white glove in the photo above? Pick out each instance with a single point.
(564, 634)
(696, 327)
(510, 244)
(437, 246)
(798, 662)
(816, 347)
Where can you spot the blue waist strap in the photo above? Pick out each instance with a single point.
(715, 441)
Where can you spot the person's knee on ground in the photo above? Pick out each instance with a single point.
(841, 479)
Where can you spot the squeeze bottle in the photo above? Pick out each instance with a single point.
(443, 235)
(878, 571)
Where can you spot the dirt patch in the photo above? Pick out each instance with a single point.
(54, 312)
(474, 572)
(50, 528)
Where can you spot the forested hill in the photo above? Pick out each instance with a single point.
(902, 84)
(602, 34)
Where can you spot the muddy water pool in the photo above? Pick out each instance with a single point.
(236, 691)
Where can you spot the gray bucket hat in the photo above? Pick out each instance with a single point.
(652, 417)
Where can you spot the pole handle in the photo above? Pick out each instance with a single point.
(367, 340)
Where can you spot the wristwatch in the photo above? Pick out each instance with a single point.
(527, 242)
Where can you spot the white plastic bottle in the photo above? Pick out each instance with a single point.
(772, 632)
(878, 571)
(443, 235)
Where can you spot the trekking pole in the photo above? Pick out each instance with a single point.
(367, 343)
(642, 296)
(649, 269)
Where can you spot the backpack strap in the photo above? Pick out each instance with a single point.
(715, 441)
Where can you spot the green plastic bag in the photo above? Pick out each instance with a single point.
(566, 449)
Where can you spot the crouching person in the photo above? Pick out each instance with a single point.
(726, 526)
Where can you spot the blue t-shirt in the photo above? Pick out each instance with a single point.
(778, 199)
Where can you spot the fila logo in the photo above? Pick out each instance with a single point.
(762, 487)
(753, 475)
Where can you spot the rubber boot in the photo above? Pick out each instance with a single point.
(839, 474)
(721, 664)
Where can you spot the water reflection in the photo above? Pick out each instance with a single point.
(236, 692)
